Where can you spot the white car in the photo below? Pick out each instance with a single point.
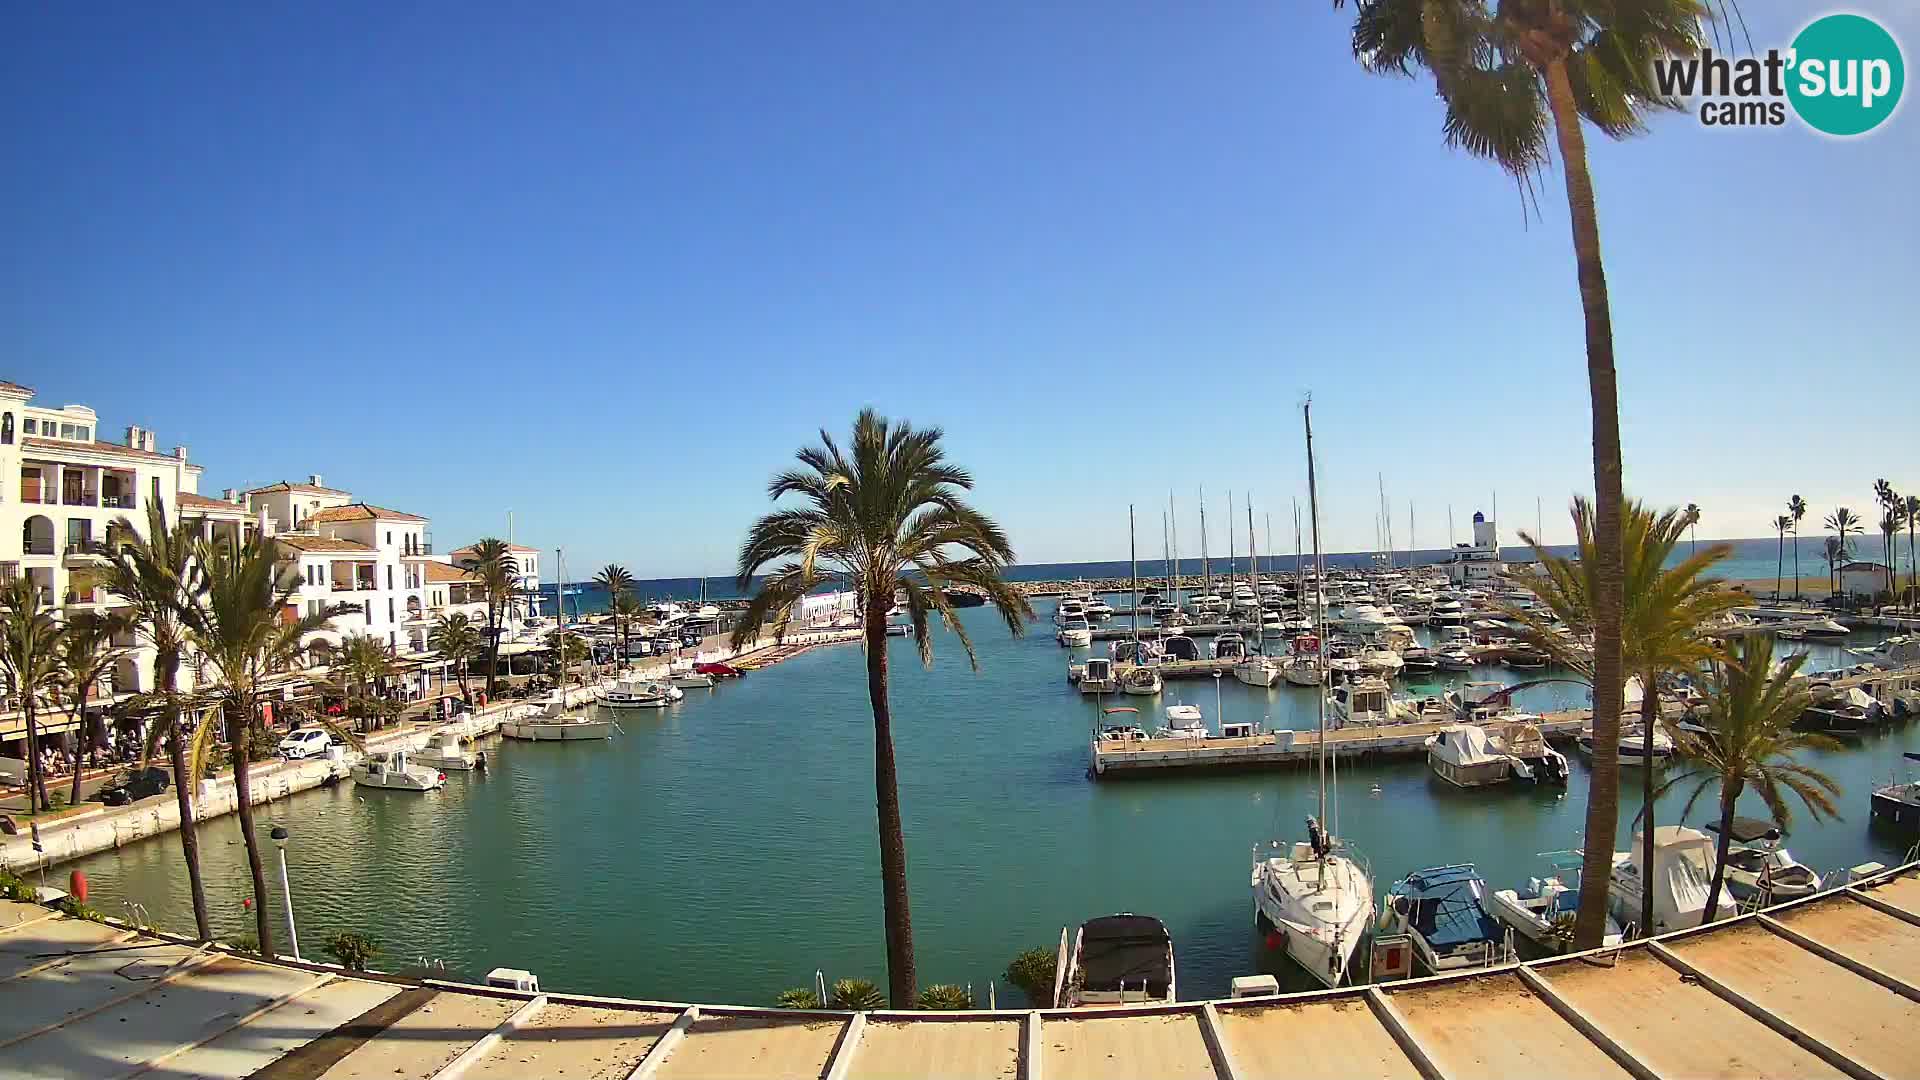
(306, 743)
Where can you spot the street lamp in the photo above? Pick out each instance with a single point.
(279, 835)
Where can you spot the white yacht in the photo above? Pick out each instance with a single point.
(1075, 633)
(393, 770)
(1259, 671)
(1464, 755)
(1444, 910)
(1123, 959)
(557, 723)
(1098, 677)
(1364, 701)
(1068, 609)
(1229, 646)
(1759, 870)
(634, 692)
(1517, 735)
(447, 752)
(1633, 745)
(1143, 680)
(1682, 879)
(1359, 619)
(1098, 610)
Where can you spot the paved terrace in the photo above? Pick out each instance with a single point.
(1826, 987)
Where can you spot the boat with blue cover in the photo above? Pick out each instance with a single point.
(1443, 909)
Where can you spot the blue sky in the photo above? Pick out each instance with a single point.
(608, 265)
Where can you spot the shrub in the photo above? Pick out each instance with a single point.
(800, 997)
(245, 943)
(1032, 972)
(946, 997)
(79, 910)
(13, 887)
(856, 995)
(352, 951)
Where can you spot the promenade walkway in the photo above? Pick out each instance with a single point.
(1825, 987)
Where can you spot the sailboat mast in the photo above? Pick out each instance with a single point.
(1166, 556)
(1269, 543)
(1173, 588)
(1253, 558)
(1133, 565)
(1229, 541)
(1206, 568)
(1319, 617)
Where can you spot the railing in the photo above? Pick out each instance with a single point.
(37, 547)
(84, 547)
(117, 502)
(80, 498)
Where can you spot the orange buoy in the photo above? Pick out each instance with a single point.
(77, 886)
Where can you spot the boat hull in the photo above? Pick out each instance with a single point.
(1896, 815)
(549, 731)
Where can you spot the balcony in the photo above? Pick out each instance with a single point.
(359, 585)
(77, 497)
(118, 502)
(37, 547)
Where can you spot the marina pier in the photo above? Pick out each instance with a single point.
(1278, 749)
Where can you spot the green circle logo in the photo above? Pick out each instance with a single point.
(1846, 76)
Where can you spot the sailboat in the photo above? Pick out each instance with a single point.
(1313, 897)
(1143, 679)
(1254, 669)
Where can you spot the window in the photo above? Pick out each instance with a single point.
(32, 425)
(389, 537)
(314, 607)
(6, 428)
(156, 491)
(390, 608)
(389, 578)
(85, 434)
(66, 431)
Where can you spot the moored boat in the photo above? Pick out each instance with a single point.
(556, 723)
(1123, 959)
(1443, 910)
(1463, 755)
(394, 771)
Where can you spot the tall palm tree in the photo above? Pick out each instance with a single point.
(884, 517)
(243, 624)
(627, 610)
(1668, 610)
(1844, 524)
(454, 638)
(155, 575)
(499, 576)
(1890, 502)
(1797, 507)
(1781, 524)
(1507, 72)
(363, 664)
(30, 666)
(1910, 509)
(618, 582)
(1693, 527)
(1750, 742)
(87, 653)
(1836, 554)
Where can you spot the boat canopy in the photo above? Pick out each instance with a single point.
(1118, 951)
(1746, 830)
(1443, 906)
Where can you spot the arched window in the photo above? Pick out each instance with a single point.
(6, 429)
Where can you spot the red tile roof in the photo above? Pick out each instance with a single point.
(360, 512)
(95, 447)
(323, 543)
(285, 486)
(439, 571)
(189, 501)
(16, 387)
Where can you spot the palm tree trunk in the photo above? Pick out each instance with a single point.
(242, 728)
(493, 650)
(82, 741)
(1913, 568)
(893, 841)
(1649, 716)
(167, 668)
(1779, 565)
(1729, 794)
(36, 778)
(1796, 562)
(1609, 684)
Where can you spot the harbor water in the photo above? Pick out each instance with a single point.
(724, 849)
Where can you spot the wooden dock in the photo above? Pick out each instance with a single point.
(1288, 749)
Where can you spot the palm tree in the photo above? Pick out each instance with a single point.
(884, 518)
(1844, 524)
(569, 649)
(30, 666)
(154, 574)
(1836, 554)
(1797, 507)
(87, 653)
(614, 578)
(1910, 509)
(499, 577)
(243, 624)
(1889, 528)
(1750, 743)
(1781, 524)
(1668, 608)
(1507, 71)
(1693, 527)
(627, 610)
(363, 664)
(454, 638)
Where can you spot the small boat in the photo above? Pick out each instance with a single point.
(556, 723)
(1464, 755)
(1185, 717)
(1633, 752)
(1068, 609)
(1098, 677)
(1443, 909)
(1098, 610)
(1759, 869)
(1682, 880)
(1518, 736)
(691, 679)
(1120, 730)
(633, 692)
(1315, 899)
(1257, 671)
(1180, 647)
(446, 752)
(1142, 681)
(1123, 959)
(1850, 710)
(1475, 699)
(1819, 628)
(1525, 658)
(899, 629)
(394, 771)
(1544, 910)
(1896, 806)
(1229, 646)
(1075, 633)
(719, 671)
(1897, 651)
(1418, 660)
(1454, 659)
(1366, 700)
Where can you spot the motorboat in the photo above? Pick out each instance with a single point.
(1098, 677)
(1129, 651)
(447, 752)
(1075, 633)
(1896, 806)
(1844, 711)
(1315, 899)
(1380, 660)
(1273, 626)
(719, 671)
(1098, 610)
(1817, 628)
(1443, 909)
(1545, 909)
(1446, 613)
(557, 723)
(1142, 681)
(1229, 646)
(1759, 870)
(1454, 659)
(1068, 609)
(633, 692)
(1418, 660)
(1475, 699)
(1179, 647)
(1184, 717)
(1525, 658)
(1633, 745)
(1123, 959)
(1364, 701)
(1120, 730)
(1258, 671)
(1897, 651)
(685, 673)
(1518, 737)
(1301, 670)
(1682, 879)
(1359, 618)
(395, 771)
(1464, 755)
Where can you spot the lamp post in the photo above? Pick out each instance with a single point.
(279, 835)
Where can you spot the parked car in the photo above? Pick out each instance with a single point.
(306, 743)
(138, 785)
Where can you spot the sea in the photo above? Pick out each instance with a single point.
(724, 849)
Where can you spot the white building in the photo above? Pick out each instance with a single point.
(528, 561)
(1477, 563)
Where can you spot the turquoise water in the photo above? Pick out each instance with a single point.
(724, 849)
